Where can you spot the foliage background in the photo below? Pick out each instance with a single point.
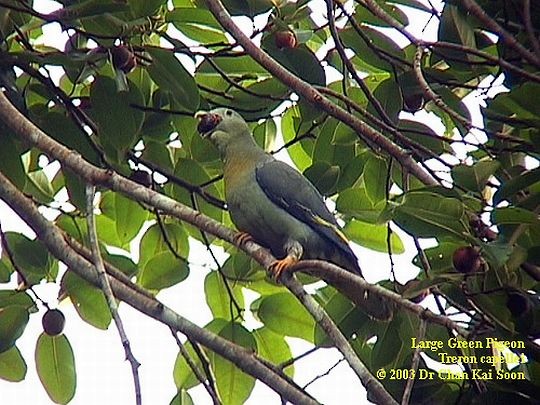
(125, 102)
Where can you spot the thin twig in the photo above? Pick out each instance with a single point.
(510, 40)
(414, 365)
(193, 366)
(327, 372)
(349, 66)
(107, 290)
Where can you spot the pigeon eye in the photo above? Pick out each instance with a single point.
(228, 113)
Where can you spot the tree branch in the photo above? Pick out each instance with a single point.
(472, 7)
(54, 239)
(308, 92)
(109, 179)
(105, 286)
(329, 271)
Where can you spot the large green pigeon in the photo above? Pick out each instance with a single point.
(279, 208)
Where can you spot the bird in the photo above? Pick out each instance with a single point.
(275, 205)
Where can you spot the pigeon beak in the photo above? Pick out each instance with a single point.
(207, 122)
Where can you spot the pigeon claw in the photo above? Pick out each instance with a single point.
(279, 267)
(242, 237)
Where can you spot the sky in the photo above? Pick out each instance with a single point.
(103, 376)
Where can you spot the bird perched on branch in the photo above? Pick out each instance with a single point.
(279, 208)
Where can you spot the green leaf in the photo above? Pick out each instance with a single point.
(89, 301)
(197, 24)
(234, 386)
(516, 184)
(15, 297)
(373, 236)
(13, 320)
(182, 397)
(32, 258)
(265, 134)
(6, 269)
(59, 126)
(90, 8)
(218, 297)
(183, 375)
(76, 189)
(362, 46)
(344, 135)
(455, 27)
(55, 365)
(365, 16)
(291, 127)
(159, 239)
(426, 214)
(119, 123)
(145, 8)
(474, 177)
(39, 186)
(283, 314)
(168, 73)
(10, 158)
(439, 257)
(494, 305)
(425, 136)
(354, 201)
(122, 263)
(12, 365)
(325, 151)
(300, 60)
(273, 347)
(390, 99)
(128, 216)
(343, 312)
(514, 215)
(193, 173)
(375, 174)
(323, 176)
(162, 271)
(388, 345)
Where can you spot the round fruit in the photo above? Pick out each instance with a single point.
(53, 322)
(141, 177)
(413, 103)
(409, 285)
(207, 122)
(518, 304)
(285, 39)
(466, 259)
(123, 58)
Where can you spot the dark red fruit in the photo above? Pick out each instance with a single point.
(285, 39)
(518, 304)
(123, 58)
(413, 103)
(207, 122)
(411, 284)
(141, 177)
(85, 103)
(466, 259)
(53, 322)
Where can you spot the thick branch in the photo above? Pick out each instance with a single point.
(330, 272)
(91, 174)
(55, 241)
(373, 386)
